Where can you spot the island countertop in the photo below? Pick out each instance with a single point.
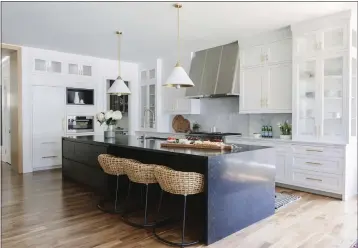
(154, 145)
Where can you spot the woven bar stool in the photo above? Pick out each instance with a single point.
(178, 183)
(113, 165)
(141, 174)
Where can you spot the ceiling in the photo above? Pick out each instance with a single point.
(149, 28)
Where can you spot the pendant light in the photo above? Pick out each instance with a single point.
(119, 87)
(178, 78)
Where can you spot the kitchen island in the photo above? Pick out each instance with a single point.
(239, 183)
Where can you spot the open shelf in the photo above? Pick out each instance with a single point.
(78, 96)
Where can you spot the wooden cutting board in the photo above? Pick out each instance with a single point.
(180, 124)
(192, 146)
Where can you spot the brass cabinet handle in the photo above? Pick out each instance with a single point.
(312, 150)
(313, 163)
(313, 179)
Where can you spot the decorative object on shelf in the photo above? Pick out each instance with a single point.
(285, 129)
(119, 87)
(82, 102)
(110, 118)
(180, 124)
(178, 78)
(196, 127)
(77, 98)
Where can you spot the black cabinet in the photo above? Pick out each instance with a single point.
(80, 163)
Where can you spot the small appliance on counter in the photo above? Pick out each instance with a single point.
(80, 124)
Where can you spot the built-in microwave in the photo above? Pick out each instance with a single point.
(80, 124)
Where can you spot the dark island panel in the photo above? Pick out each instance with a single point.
(239, 184)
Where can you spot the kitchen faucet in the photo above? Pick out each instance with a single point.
(152, 115)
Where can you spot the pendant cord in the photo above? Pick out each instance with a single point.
(178, 37)
(119, 53)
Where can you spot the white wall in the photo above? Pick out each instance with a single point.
(103, 69)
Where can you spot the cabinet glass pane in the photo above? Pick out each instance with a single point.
(354, 98)
(40, 65)
(333, 38)
(307, 98)
(55, 67)
(73, 69)
(332, 99)
(87, 70)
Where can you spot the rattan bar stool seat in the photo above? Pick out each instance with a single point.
(113, 166)
(178, 183)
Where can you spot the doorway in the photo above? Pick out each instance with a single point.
(11, 110)
(5, 107)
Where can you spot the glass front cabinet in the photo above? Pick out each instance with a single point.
(325, 84)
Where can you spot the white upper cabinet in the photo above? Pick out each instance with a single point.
(251, 98)
(324, 80)
(279, 51)
(252, 56)
(79, 69)
(266, 75)
(42, 65)
(278, 88)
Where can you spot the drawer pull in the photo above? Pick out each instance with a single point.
(312, 163)
(313, 150)
(50, 157)
(313, 179)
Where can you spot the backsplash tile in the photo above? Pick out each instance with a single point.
(223, 113)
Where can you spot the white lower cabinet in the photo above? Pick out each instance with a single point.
(315, 167)
(317, 181)
(47, 152)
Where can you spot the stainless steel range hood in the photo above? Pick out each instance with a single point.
(215, 72)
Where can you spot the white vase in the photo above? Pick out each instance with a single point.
(77, 98)
(285, 137)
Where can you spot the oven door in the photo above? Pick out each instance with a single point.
(80, 124)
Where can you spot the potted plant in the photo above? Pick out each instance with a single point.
(110, 118)
(196, 127)
(285, 129)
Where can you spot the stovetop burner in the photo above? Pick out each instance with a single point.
(217, 136)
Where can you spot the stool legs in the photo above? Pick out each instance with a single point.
(182, 244)
(145, 223)
(115, 209)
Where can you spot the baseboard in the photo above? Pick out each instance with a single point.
(47, 168)
(313, 191)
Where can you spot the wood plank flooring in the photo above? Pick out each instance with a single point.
(40, 210)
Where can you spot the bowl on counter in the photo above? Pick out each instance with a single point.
(257, 135)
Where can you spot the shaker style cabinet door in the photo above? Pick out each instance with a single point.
(279, 52)
(278, 88)
(252, 56)
(196, 73)
(306, 45)
(251, 89)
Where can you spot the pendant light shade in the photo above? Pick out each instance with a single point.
(178, 78)
(119, 87)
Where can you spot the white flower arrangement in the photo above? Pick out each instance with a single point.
(110, 117)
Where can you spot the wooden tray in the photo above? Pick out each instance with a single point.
(192, 146)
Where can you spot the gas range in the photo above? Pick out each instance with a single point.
(215, 137)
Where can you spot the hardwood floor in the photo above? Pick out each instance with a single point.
(40, 210)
